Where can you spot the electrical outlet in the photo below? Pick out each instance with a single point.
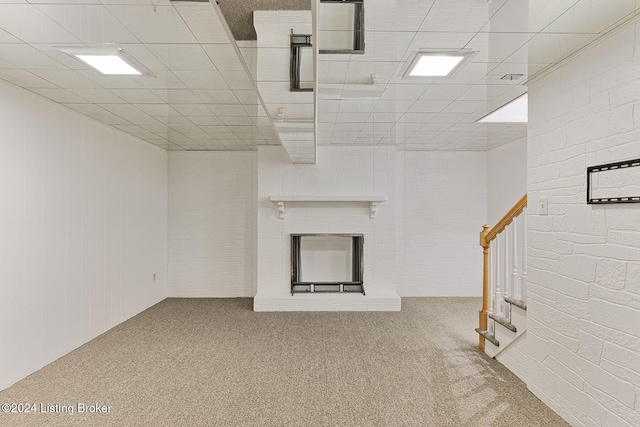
(543, 206)
(153, 278)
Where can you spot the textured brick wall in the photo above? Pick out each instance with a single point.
(442, 201)
(506, 178)
(583, 339)
(211, 224)
(340, 171)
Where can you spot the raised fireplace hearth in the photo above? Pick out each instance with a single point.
(327, 263)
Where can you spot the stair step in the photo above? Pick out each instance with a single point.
(489, 337)
(503, 321)
(516, 302)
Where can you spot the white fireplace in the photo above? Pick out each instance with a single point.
(351, 192)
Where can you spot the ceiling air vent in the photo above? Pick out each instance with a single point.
(512, 77)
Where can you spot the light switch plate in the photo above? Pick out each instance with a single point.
(543, 206)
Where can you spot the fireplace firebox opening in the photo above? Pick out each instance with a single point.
(327, 263)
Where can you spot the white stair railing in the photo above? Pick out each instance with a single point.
(505, 266)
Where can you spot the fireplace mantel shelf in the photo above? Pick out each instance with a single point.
(373, 201)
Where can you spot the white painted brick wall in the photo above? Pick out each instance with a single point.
(584, 312)
(339, 171)
(212, 207)
(424, 240)
(443, 204)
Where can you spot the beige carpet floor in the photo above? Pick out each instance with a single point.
(215, 362)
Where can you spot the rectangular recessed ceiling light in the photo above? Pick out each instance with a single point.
(109, 64)
(434, 63)
(110, 61)
(515, 111)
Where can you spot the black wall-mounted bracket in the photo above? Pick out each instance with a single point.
(617, 166)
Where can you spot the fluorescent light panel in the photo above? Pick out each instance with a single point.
(516, 111)
(435, 65)
(109, 64)
(108, 60)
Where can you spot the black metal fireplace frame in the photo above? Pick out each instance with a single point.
(356, 285)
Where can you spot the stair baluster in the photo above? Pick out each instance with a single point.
(504, 273)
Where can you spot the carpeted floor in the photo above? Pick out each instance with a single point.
(215, 362)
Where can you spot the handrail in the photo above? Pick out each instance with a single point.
(504, 222)
(486, 236)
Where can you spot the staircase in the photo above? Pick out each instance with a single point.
(503, 318)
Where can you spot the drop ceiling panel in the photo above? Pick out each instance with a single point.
(88, 23)
(204, 98)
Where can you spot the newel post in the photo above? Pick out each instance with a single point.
(484, 313)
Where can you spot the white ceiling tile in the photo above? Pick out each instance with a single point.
(91, 24)
(222, 110)
(89, 109)
(431, 106)
(247, 97)
(237, 121)
(137, 96)
(507, 16)
(112, 82)
(217, 96)
(202, 79)
(153, 24)
(199, 72)
(156, 127)
(163, 79)
(59, 95)
(444, 91)
(164, 110)
(5, 37)
(173, 120)
(69, 79)
(123, 110)
(449, 117)
(30, 25)
(205, 120)
(496, 47)
(438, 40)
(192, 109)
(98, 96)
(110, 119)
(25, 79)
(190, 128)
(199, 136)
(237, 80)
(464, 106)
(203, 22)
(456, 15)
(223, 56)
(182, 56)
(27, 57)
(178, 96)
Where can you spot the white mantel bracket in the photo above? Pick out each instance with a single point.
(373, 201)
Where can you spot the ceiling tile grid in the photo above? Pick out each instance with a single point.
(199, 80)
(203, 96)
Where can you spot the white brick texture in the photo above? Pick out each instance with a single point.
(340, 171)
(442, 201)
(584, 311)
(212, 224)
